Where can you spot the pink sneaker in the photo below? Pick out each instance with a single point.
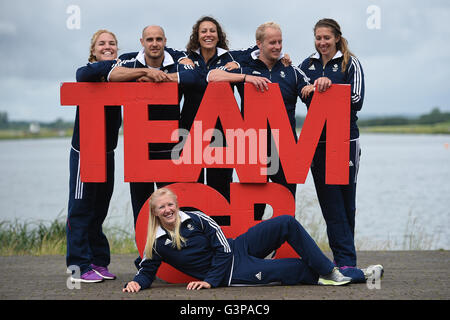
(88, 277)
(103, 272)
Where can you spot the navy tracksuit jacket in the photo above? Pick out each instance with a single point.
(208, 256)
(141, 191)
(291, 80)
(353, 75)
(217, 178)
(338, 202)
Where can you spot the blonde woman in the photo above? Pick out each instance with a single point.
(194, 244)
(87, 246)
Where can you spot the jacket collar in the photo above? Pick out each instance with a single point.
(168, 60)
(220, 51)
(255, 54)
(183, 217)
(336, 56)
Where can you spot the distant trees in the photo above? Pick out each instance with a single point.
(3, 119)
(58, 124)
(435, 116)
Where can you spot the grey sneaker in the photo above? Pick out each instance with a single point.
(335, 278)
(374, 272)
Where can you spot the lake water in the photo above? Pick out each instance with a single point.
(402, 197)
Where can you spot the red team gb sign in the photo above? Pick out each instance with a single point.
(245, 150)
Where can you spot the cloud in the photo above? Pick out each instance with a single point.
(7, 29)
(405, 61)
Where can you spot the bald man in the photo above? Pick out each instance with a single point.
(154, 63)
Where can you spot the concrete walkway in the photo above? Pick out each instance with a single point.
(409, 275)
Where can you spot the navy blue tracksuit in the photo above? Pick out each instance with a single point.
(208, 256)
(89, 202)
(291, 80)
(338, 202)
(217, 178)
(141, 191)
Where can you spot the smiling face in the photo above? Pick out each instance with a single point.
(207, 35)
(271, 45)
(105, 47)
(325, 41)
(165, 208)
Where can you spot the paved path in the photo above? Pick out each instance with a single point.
(410, 275)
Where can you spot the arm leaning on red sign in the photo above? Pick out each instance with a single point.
(218, 75)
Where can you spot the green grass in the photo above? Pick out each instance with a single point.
(439, 128)
(11, 134)
(40, 238)
(37, 238)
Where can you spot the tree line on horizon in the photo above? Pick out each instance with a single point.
(433, 117)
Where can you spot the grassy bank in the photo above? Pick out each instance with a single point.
(39, 238)
(438, 128)
(11, 134)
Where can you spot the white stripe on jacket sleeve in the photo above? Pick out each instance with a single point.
(219, 233)
(357, 81)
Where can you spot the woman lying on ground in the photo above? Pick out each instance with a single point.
(194, 244)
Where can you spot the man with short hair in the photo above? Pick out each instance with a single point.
(152, 63)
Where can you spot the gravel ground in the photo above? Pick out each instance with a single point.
(409, 275)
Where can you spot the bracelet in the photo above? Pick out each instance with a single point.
(244, 77)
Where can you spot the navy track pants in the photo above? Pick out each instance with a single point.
(87, 209)
(338, 205)
(252, 247)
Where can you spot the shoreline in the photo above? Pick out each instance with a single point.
(409, 129)
(438, 129)
(48, 237)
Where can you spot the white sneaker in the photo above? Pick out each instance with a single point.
(335, 278)
(374, 272)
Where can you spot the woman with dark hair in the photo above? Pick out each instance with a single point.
(208, 49)
(335, 61)
(199, 30)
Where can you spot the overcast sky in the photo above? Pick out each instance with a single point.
(403, 45)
